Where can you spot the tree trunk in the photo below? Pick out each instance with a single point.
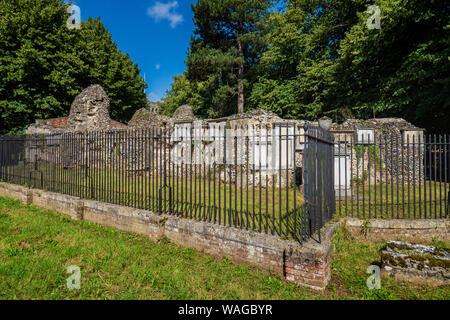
(240, 98)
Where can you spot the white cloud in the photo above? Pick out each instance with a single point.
(158, 66)
(153, 97)
(162, 11)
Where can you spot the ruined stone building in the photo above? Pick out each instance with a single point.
(261, 143)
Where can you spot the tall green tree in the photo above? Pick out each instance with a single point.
(324, 60)
(182, 91)
(402, 69)
(310, 58)
(298, 67)
(225, 48)
(44, 65)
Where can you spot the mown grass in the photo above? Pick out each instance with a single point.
(37, 246)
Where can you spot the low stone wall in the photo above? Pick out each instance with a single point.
(416, 231)
(307, 264)
(416, 263)
(16, 192)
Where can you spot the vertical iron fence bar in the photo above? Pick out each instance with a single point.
(392, 174)
(235, 179)
(146, 167)
(287, 180)
(247, 169)
(346, 186)
(210, 162)
(397, 177)
(254, 148)
(339, 157)
(409, 176)
(195, 172)
(435, 177)
(93, 166)
(260, 168)
(357, 150)
(386, 158)
(267, 179)
(102, 168)
(430, 177)
(218, 135)
(158, 170)
(190, 174)
(112, 155)
(419, 160)
(106, 186)
(215, 162)
(368, 173)
(352, 146)
(187, 141)
(230, 166)
(122, 152)
(126, 167)
(74, 164)
(403, 175)
(241, 165)
(135, 172)
(430, 168)
(99, 179)
(446, 175)
(171, 151)
(279, 181)
(142, 169)
(164, 159)
(2, 159)
(153, 175)
(118, 157)
(203, 164)
(440, 177)
(63, 163)
(375, 172)
(273, 133)
(136, 168)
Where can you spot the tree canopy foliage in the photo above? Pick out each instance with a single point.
(44, 65)
(309, 58)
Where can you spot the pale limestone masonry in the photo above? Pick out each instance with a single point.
(418, 231)
(416, 263)
(308, 264)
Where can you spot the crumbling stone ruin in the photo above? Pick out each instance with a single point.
(147, 119)
(378, 150)
(90, 111)
(416, 263)
(153, 107)
(184, 113)
(89, 116)
(74, 139)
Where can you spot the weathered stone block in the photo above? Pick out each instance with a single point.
(416, 263)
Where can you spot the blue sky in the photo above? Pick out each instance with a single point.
(155, 33)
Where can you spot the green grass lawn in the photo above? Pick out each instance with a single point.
(37, 246)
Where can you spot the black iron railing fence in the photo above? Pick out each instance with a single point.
(318, 172)
(273, 179)
(248, 178)
(395, 176)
